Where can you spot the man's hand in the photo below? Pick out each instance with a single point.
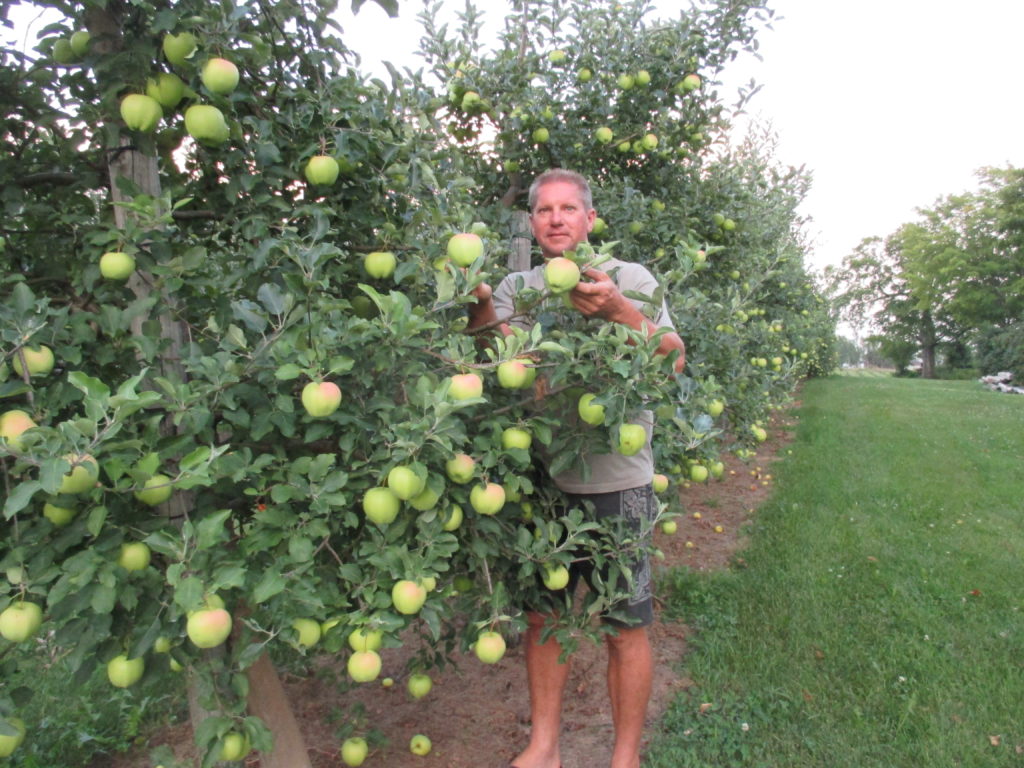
(601, 297)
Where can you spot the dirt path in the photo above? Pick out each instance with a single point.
(477, 717)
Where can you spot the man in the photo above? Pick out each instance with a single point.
(561, 217)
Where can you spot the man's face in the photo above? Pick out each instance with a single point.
(560, 221)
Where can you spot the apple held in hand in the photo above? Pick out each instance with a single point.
(322, 170)
(561, 275)
(156, 490)
(516, 374)
(39, 360)
(20, 620)
(419, 685)
(489, 647)
(632, 437)
(459, 468)
(354, 751)
(465, 248)
(206, 124)
(208, 627)
(10, 743)
(124, 672)
(420, 745)
(364, 666)
(465, 386)
(381, 505)
(134, 556)
(487, 499)
(220, 76)
(380, 264)
(82, 476)
(321, 398)
(408, 596)
(589, 411)
(116, 265)
(141, 112)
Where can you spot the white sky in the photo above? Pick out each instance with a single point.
(891, 104)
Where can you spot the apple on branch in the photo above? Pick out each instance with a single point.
(465, 248)
(487, 498)
(39, 360)
(408, 596)
(20, 620)
(117, 265)
(465, 386)
(321, 398)
(489, 647)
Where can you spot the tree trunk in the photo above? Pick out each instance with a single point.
(519, 257)
(268, 701)
(928, 344)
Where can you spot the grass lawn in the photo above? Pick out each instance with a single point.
(876, 620)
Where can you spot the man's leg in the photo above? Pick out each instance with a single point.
(630, 669)
(546, 678)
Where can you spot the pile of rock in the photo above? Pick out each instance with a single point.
(1000, 382)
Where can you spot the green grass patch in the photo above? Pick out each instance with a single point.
(877, 619)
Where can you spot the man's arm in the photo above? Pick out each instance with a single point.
(482, 314)
(599, 296)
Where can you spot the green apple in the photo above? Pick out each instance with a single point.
(589, 411)
(179, 48)
(489, 647)
(650, 141)
(308, 630)
(59, 516)
(134, 556)
(689, 83)
(167, 88)
(487, 499)
(354, 751)
(625, 82)
(13, 424)
(124, 672)
(20, 620)
(40, 360)
(116, 265)
(557, 56)
(516, 437)
(322, 170)
(660, 483)
(419, 685)
(729, 225)
(141, 112)
(219, 76)
(82, 476)
(599, 226)
(669, 527)
(470, 101)
(698, 473)
(208, 627)
(425, 499)
(453, 519)
(561, 275)
(62, 52)
(604, 134)
(632, 437)
(541, 135)
(715, 408)
(419, 745)
(759, 434)
(717, 468)
(365, 639)
(321, 398)
(156, 490)
(584, 75)
(380, 264)
(555, 577)
(408, 596)
(10, 743)
(206, 124)
(405, 483)
(381, 505)
(465, 248)
(516, 374)
(459, 468)
(465, 386)
(79, 42)
(162, 645)
(234, 747)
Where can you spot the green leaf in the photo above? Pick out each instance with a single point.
(211, 530)
(94, 523)
(20, 497)
(103, 599)
(287, 372)
(271, 584)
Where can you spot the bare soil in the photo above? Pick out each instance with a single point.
(477, 716)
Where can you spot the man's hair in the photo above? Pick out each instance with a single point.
(561, 174)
